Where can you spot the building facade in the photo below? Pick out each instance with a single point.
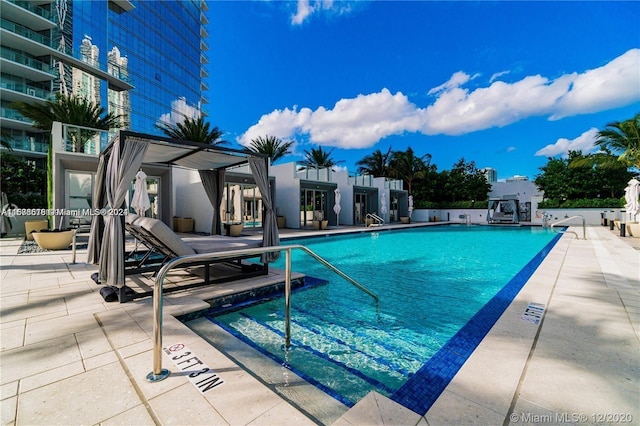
(139, 59)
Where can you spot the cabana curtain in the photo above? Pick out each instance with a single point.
(97, 223)
(213, 182)
(270, 235)
(124, 162)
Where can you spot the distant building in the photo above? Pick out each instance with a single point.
(491, 174)
(517, 178)
(142, 59)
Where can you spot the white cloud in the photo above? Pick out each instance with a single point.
(304, 9)
(585, 143)
(362, 121)
(612, 85)
(497, 75)
(457, 79)
(180, 110)
(303, 12)
(351, 123)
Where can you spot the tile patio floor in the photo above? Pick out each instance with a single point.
(69, 358)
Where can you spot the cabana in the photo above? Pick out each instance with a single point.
(503, 210)
(117, 167)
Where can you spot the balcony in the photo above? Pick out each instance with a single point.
(28, 13)
(12, 91)
(318, 174)
(25, 32)
(361, 180)
(79, 139)
(28, 144)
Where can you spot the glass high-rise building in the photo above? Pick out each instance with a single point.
(141, 59)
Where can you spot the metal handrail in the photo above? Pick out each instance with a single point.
(158, 372)
(375, 217)
(584, 231)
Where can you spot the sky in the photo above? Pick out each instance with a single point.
(504, 84)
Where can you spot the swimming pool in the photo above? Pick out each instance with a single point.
(441, 289)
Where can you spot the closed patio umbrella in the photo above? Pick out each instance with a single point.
(336, 207)
(383, 204)
(632, 191)
(140, 201)
(410, 205)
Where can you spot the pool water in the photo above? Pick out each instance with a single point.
(431, 282)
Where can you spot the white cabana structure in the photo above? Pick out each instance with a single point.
(503, 210)
(120, 162)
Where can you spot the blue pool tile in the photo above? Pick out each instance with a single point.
(425, 386)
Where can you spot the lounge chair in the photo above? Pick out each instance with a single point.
(163, 244)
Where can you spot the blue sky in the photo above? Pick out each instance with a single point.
(505, 84)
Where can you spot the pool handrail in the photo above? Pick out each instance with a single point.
(378, 219)
(158, 372)
(584, 232)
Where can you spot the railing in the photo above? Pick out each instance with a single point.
(373, 216)
(584, 232)
(466, 217)
(158, 372)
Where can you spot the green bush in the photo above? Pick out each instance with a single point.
(584, 203)
(452, 205)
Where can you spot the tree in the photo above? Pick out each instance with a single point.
(271, 146)
(318, 157)
(194, 130)
(72, 110)
(620, 144)
(375, 164)
(581, 177)
(467, 183)
(23, 183)
(407, 166)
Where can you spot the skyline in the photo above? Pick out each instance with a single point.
(504, 84)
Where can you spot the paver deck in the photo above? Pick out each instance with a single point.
(68, 358)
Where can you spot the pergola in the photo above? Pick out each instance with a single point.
(117, 167)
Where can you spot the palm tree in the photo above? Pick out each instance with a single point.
(318, 157)
(70, 110)
(375, 164)
(194, 130)
(620, 145)
(271, 146)
(407, 166)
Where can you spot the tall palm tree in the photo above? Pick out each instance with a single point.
(407, 166)
(375, 164)
(318, 157)
(70, 110)
(194, 130)
(271, 146)
(620, 145)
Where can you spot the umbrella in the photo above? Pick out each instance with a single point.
(410, 205)
(336, 206)
(383, 204)
(140, 201)
(5, 225)
(631, 196)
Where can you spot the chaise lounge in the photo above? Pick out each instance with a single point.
(162, 245)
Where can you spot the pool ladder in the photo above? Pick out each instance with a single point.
(378, 220)
(158, 372)
(566, 219)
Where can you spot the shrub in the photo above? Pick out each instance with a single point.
(584, 203)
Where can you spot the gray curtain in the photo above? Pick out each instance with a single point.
(97, 222)
(213, 182)
(124, 162)
(270, 235)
